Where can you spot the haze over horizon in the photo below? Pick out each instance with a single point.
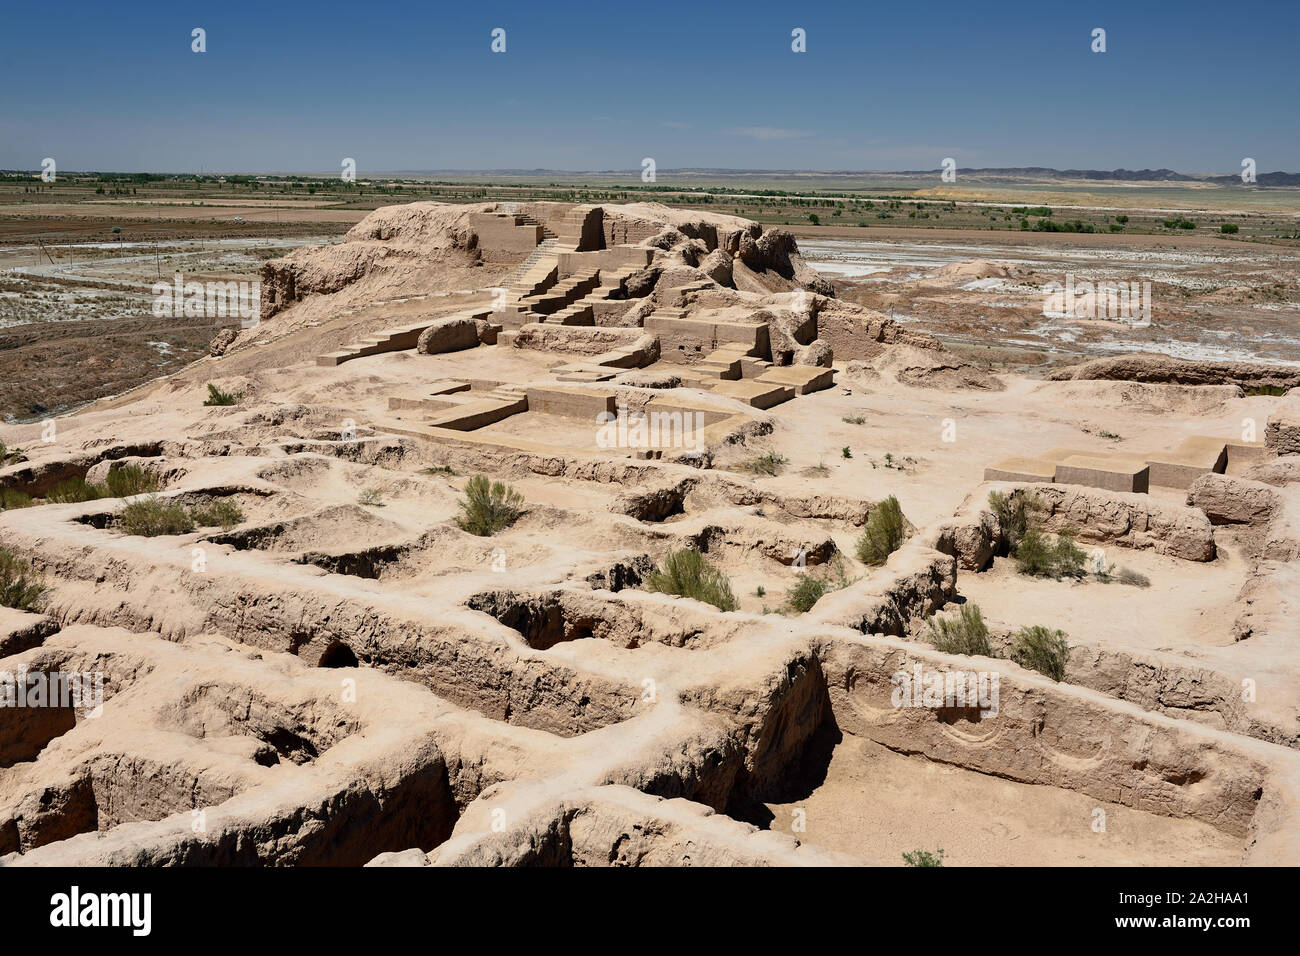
(878, 90)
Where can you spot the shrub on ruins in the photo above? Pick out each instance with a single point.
(217, 396)
(1015, 514)
(130, 480)
(769, 464)
(1041, 649)
(807, 591)
(222, 513)
(121, 482)
(923, 858)
(884, 532)
(1045, 556)
(20, 587)
(74, 490)
(488, 507)
(965, 633)
(152, 517)
(11, 498)
(685, 573)
(370, 498)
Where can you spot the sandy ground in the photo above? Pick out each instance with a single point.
(868, 805)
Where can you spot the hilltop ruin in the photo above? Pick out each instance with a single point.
(342, 674)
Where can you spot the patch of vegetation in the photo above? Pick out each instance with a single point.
(964, 634)
(1040, 556)
(818, 470)
(20, 587)
(810, 587)
(217, 396)
(686, 574)
(760, 591)
(846, 452)
(854, 420)
(152, 517)
(884, 533)
(488, 507)
(11, 498)
(130, 480)
(1110, 436)
(124, 482)
(1133, 578)
(222, 513)
(10, 456)
(1229, 228)
(923, 858)
(74, 490)
(769, 464)
(1274, 391)
(807, 591)
(1041, 649)
(440, 470)
(1015, 514)
(371, 498)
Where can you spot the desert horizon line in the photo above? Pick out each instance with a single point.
(1157, 174)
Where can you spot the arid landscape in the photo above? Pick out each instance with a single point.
(528, 532)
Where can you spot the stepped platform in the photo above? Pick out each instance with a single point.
(401, 338)
(755, 394)
(1195, 456)
(802, 378)
(1021, 469)
(1110, 474)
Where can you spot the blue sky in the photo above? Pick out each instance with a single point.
(297, 86)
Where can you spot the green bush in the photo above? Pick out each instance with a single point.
(964, 634)
(1015, 514)
(130, 480)
(217, 396)
(222, 512)
(371, 498)
(1042, 556)
(807, 591)
(1229, 228)
(488, 507)
(923, 858)
(20, 587)
(769, 464)
(124, 482)
(1041, 649)
(686, 574)
(74, 490)
(151, 517)
(886, 528)
(11, 498)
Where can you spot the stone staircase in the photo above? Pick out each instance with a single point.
(475, 410)
(535, 273)
(392, 340)
(570, 227)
